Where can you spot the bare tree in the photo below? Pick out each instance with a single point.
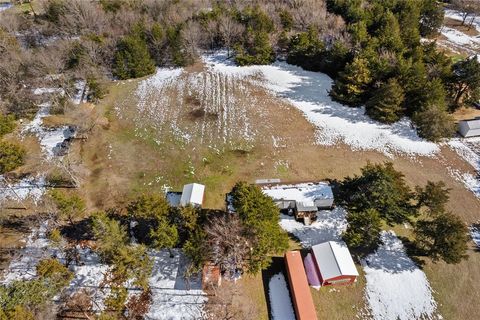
(467, 8)
(229, 246)
(192, 37)
(230, 31)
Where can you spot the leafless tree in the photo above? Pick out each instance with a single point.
(467, 8)
(192, 37)
(230, 31)
(229, 246)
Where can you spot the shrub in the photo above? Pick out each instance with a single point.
(132, 59)
(7, 124)
(12, 156)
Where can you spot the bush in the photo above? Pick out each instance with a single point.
(255, 51)
(7, 124)
(96, 89)
(433, 123)
(12, 156)
(386, 103)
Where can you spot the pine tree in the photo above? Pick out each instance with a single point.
(386, 103)
(382, 188)
(260, 216)
(132, 59)
(433, 123)
(431, 19)
(363, 231)
(445, 237)
(164, 235)
(69, 206)
(352, 83)
(389, 34)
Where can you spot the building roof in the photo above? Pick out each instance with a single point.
(334, 260)
(472, 124)
(192, 194)
(306, 207)
(300, 292)
(305, 193)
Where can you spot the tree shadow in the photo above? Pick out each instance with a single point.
(78, 231)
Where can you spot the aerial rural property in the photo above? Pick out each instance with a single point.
(239, 160)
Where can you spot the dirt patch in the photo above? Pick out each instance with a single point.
(457, 24)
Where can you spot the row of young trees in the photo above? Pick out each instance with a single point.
(381, 196)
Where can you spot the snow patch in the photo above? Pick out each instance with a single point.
(336, 123)
(280, 301)
(329, 226)
(469, 150)
(29, 188)
(396, 288)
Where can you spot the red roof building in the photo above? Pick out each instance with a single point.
(299, 289)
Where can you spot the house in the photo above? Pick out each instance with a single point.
(192, 194)
(303, 200)
(469, 128)
(299, 290)
(334, 264)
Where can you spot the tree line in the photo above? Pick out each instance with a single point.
(380, 195)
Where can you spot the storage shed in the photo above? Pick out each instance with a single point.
(334, 263)
(469, 128)
(192, 194)
(300, 292)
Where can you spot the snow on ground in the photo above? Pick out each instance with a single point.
(328, 227)
(5, 6)
(29, 188)
(454, 14)
(469, 150)
(202, 108)
(51, 140)
(396, 289)
(171, 299)
(280, 301)
(475, 233)
(23, 267)
(308, 91)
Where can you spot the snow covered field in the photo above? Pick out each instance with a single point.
(280, 301)
(458, 41)
(28, 188)
(335, 123)
(396, 288)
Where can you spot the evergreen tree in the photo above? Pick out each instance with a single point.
(352, 83)
(382, 188)
(433, 124)
(132, 59)
(431, 19)
(164, 235)
(466, 81)
(260, 216)
(69, 206)
(110, 235)
(12, 156)
(306, 50)
(388, 34)
(444, 237)
(386, 103)
(255, 50)
(363, 231)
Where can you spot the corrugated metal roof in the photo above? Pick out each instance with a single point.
(302, 298)
(334, 260)
(192, 194)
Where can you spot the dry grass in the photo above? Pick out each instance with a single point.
(466, 113)
(457, 24)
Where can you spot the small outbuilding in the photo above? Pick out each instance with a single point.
(335, 264)
(299, 290)
(469, 128)
(192, 194)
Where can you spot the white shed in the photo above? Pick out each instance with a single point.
(335, 263)
(469, 128)
(192, 194)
